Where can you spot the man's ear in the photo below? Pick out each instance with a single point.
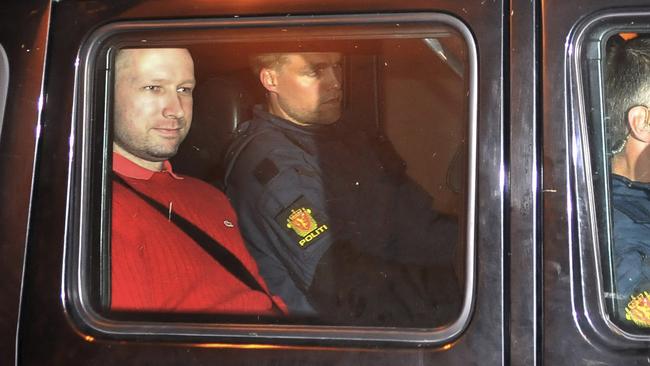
(268, 78)
(637, 119)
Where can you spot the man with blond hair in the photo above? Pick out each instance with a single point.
(175, 240)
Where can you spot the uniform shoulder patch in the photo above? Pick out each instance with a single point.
(638, 310)
(304, 224)
(265, 171)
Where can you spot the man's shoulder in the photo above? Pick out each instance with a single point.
(259, 143)
(630, 210)
(631, 201)
(262, 132)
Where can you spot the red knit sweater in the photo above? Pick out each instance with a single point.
(157, 267)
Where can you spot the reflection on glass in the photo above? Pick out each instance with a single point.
(345, 162)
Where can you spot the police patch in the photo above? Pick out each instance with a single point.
(301, 221)
(304, 224)
(638, 310)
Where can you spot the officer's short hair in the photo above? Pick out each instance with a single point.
(267, 61)
(122, 60)
(627, 83)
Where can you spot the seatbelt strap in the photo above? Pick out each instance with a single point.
(222, 255)
(233, 152)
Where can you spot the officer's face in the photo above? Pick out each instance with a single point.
(153, 103)
(307, 88)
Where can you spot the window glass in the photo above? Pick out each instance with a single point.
(619, 95)
(627, 91)
(4, 84)
(285, 175)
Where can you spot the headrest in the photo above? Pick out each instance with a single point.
(221, 103)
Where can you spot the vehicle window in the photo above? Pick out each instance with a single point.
(281, 179)
(618, 96)
(4, 84)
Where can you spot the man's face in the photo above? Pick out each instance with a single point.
(153, 103)
(307, 88)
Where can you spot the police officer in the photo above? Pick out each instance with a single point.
(336, 226)
(628, 98)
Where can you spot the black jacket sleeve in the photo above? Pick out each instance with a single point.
(354, 288)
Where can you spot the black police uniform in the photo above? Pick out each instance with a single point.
(631, 217)
(327, 209)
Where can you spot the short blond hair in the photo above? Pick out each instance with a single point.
(122, 59)
(626, 82)
(267, 61)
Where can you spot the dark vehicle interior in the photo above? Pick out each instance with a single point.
(402, 89)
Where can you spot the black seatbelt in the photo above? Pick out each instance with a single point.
(233, 152)
(222, 255)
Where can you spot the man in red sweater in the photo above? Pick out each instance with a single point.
(158, 264)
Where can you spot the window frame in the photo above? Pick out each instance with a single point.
(4, 85)
(76, 299)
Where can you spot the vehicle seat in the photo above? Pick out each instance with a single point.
(221, 103)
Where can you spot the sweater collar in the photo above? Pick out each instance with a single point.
(127, 168)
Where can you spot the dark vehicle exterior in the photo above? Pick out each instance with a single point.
(535, 295)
